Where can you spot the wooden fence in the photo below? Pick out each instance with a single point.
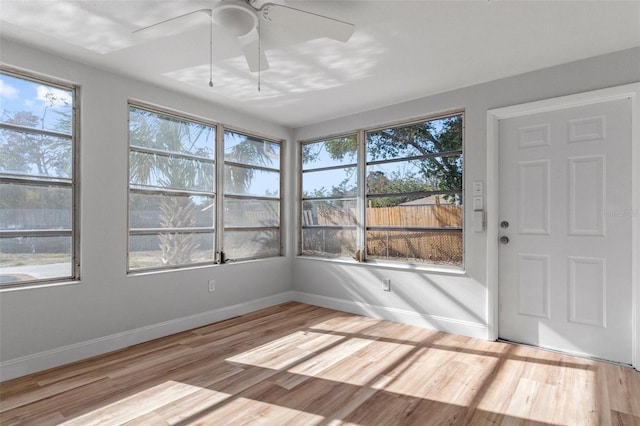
(429, 216)
(441, 245)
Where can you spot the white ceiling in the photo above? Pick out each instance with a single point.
(400, 50)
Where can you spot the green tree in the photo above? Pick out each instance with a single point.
(171, 135)
(249, 152)
(396, 183)
(35, 153)
(429, 138)
(440, 140)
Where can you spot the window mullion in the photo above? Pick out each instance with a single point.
(164, 153)
(33, 131)
(155, 190)
(362, 196)
(219, 190)
(75, 190)
(328, 168)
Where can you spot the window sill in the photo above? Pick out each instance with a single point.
(39, 285)
(143, 272)
(433, 269)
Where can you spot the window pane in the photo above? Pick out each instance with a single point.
(32, 154)
(333, 152)
(169, 250)
(35, 207)
(439, 142)
(163, 171)
(157, 131)
(36, 143)
(36, 105)
(170, 211)
(329, 212)
(35, 258)
(335, 183)
(433, 174)
(441, 247)
(251, 213)
(247, 244)
(428, 137)
(319, 234)
(249, 181)
(246, 181)
(329, 242)
(413, 186)
(244, 149)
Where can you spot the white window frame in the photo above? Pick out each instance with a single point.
(222, 254)
(354, 198)
(73, 182)
(135, 189)
(218, 195)
(362, 227)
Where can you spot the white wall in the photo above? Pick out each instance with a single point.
(456, 303)
(44, 326)
(48, 326)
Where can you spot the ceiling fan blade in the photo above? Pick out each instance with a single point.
(307, 21)
(252, 51)
(181, 21)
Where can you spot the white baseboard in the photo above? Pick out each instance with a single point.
(449, 325)
(59, 356)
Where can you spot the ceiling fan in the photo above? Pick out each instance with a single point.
(240, 18)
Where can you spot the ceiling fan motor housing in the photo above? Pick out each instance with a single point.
(237, 17)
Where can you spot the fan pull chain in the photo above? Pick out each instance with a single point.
(259, 55)
(211, 49)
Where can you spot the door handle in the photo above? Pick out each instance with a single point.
(504, 240)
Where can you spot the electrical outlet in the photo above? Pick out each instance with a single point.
(212, 286)
(386, 284)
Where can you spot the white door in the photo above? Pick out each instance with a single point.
(565, 253)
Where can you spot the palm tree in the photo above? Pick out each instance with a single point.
(244, 156)
(170, 153)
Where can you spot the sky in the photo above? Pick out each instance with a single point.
(42, 100)
(23, 95)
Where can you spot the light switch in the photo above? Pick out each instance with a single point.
(478, 188)
(478, 203)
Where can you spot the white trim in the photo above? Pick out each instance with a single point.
(635, 224)
(449, 325)
(492, 219)
(59, 356)
(631, 91)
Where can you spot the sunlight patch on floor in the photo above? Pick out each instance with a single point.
(149, 400)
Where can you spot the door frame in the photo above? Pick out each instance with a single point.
(630, 91)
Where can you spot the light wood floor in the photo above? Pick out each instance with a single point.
(303, 365)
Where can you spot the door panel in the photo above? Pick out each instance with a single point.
(533, 210)
(565, 272)
(533, 285)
